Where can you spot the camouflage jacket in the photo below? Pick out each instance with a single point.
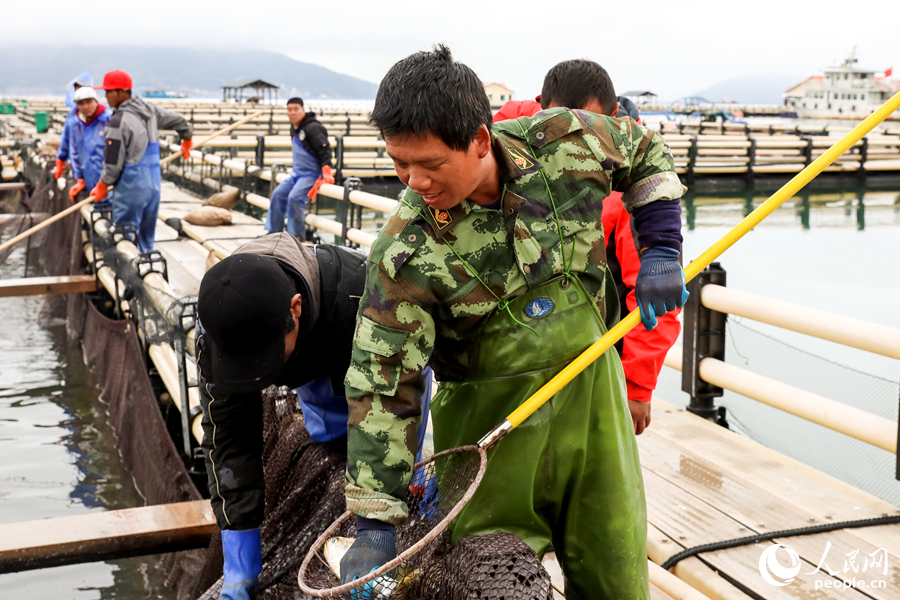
(422, 306)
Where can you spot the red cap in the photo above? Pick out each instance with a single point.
(115, 80)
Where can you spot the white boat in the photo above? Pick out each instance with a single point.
(847, 91)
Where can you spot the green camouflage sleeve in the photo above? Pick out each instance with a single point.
(392, 345)
(647, 173)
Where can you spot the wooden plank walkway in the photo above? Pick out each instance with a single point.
(40, 286)
(706, 484)
(105, 535)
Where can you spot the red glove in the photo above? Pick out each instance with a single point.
(78, 187)
(186, 146)
(60, 168)
(327, 177)
(100, 192)
(314, 190)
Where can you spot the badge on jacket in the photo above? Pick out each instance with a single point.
(302, 135)
(540, 307)
(441, 217)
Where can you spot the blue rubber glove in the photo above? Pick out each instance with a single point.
(660, 284)
(372, 548)
(243, 562)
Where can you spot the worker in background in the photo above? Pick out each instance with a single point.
(87, 134)
(311, 167)
(65, 152)
(586, 85)
(131, 157)
(499, 230)
(277, 311)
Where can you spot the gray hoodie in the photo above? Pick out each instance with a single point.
(134, 124)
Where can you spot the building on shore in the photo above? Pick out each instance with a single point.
(640, 96)
(498, 94)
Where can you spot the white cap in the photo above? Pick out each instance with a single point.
(85, 93)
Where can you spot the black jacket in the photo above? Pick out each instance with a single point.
(314, 138)
(331, 283)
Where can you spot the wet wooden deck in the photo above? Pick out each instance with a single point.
(706, 484)
(703, 483)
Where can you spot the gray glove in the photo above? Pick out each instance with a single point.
(372, 548)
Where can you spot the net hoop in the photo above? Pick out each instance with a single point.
(406, 554)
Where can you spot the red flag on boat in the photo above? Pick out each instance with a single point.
(889, 72)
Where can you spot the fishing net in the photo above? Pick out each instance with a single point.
(766, 352)
(22, 209)
(498, 566)
(304, 496)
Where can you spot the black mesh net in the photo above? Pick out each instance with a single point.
(22, 209)
(304, 496)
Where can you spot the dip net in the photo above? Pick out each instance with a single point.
(304, 498)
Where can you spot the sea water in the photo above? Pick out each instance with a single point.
(57, 452)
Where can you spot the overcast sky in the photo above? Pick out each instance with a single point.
(672, 48)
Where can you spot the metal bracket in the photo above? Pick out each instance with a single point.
(751, 162)
(692, 159)
(351, 184)
(704, 337)
(260, 151)
(185, 314)
(97, 216)
(339, 159)
(152, 262)
(123, 231)
(273, 183)
(863, 158)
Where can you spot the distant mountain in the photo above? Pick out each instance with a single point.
(196, 72)
(753, 89)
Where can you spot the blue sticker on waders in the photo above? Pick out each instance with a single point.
(539, 307)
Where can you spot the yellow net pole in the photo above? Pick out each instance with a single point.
(597, 349)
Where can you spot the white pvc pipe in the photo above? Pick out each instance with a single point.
(672, 585)
(853, 422)
(855, 333)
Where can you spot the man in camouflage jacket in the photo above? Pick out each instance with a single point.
(520, 206)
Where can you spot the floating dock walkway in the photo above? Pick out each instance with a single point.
(704, 483)
(745, 152)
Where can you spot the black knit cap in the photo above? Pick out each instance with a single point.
(243, 306)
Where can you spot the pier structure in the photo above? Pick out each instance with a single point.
(738, 152)
(705, 485)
